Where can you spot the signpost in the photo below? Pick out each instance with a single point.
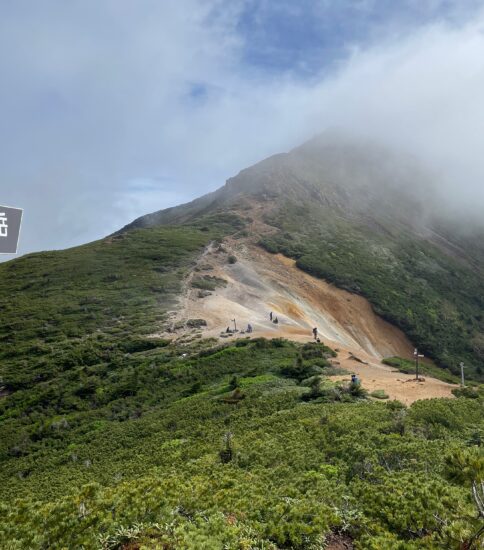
(462, 367)
(417, 356)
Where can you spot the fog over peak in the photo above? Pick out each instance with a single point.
(114, 110)
(378, 166)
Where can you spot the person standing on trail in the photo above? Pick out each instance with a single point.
(249, 328)
(270, 315)
(315, 333)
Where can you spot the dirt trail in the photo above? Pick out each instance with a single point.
(259, 282)
(376, 376)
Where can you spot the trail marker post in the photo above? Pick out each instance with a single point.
(462, 367)
(235, 325)
(417, 356)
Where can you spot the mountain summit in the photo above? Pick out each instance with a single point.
(351, 178)
(370, 222)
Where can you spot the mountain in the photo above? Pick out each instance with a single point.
(371, 222)
(131, 418)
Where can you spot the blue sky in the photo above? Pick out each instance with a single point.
(112, 108)
(308, 37)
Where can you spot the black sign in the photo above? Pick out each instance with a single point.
(10, 219)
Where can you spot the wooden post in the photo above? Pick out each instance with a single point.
(417, 355)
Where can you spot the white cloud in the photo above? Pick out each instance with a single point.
(101, 95)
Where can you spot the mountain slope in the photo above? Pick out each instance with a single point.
(369, 222)
(59, 307)
(122, 426)
(246, 283)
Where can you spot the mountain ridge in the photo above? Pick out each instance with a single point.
(319, 169)
(370, 218)
(328, 207)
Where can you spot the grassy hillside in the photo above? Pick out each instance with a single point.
(231, 447)
(61, 310)
(111, 438)
(437, 300)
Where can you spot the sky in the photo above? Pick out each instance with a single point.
(110, 109)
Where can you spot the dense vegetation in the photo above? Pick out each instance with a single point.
(226, 448)
(112, 438)
(57, 306)
(436, 300)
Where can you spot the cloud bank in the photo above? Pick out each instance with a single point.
(114, 109)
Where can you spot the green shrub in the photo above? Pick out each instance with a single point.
(299, 370)
(314, 350)
(379, 394)
(468, 392)
(208, 282)
(196, 323)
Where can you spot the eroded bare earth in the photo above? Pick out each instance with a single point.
(259, 282)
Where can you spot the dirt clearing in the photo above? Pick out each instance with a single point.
(376, 376)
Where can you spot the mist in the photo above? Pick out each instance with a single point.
(113, 109)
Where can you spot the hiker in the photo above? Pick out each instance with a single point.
(355, 380)
(228, 331)
(270, 315)
(249, 328)
(315, 333)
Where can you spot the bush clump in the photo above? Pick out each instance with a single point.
(208, 282)
(379, 394)
(468, 392)
(196, 323)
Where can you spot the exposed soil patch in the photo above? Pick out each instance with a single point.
(260, 283)
(376, 376)
(339, 542)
